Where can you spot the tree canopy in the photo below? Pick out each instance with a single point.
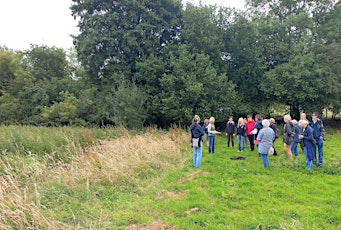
(159, 62)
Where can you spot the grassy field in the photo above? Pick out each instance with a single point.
(72, 178)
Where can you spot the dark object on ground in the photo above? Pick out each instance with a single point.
(238, 158)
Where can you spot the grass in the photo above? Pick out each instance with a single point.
(115, 179)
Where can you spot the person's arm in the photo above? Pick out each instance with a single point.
(321, 130)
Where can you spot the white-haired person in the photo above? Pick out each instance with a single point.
(288, 135)
(211, 135)
(308, 142)
(265, 138)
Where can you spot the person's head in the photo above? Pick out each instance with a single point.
(315, 116)
(212, 120)
(197, 118)
(206, 121)
(230, 118)
(257, 117)
(294, 121)
(303, 123)
(262, 116)
(287, 118)
(241, 121)
(272, 121)
(303, 116)
(265, 123)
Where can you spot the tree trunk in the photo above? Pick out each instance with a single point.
(295, 111)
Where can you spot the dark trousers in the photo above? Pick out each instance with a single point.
(230, 138)
(251, 140)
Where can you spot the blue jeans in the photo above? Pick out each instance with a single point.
(265, 160)
(240, 140)
(294, 148)
(197, 154)
(308, 163)
(320, 151)
(211, 140)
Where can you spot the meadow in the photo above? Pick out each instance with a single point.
(112, 178)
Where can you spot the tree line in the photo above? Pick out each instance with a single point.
(158, 62)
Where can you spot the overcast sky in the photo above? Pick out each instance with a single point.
(49, 22)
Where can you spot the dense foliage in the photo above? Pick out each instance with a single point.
(159, 62)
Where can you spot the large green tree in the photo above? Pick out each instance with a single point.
(114, 35)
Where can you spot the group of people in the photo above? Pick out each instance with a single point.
(262, 133)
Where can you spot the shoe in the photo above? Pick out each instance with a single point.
(238, 151)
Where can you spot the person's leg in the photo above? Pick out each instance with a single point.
(320, 152)
(265, 160)
(251, 140)
(242, 143)
(213, 143)
(228, 140)
(210, 138)
(238, 142)
(288, 150)
(194, 156)
(232, 138)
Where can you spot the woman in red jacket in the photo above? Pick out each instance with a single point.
(249, 125)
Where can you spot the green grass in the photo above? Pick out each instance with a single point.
(225, 194)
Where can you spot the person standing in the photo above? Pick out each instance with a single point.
(274, 128)
(288, 135)
(308, 142)
(265, 138)
(211, 135)
(204, 127)
(318, 128)
(241, 130)
(293, 147)
(249, 125)
(197, 132)
(230, 129)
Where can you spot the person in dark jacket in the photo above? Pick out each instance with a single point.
(273, 126)
(230, 129)
(318, 128)
(197, 132)
(296, 141)
(308, 142)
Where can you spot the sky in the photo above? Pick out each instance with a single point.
(49, 22)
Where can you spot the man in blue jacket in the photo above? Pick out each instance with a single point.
(318, 127)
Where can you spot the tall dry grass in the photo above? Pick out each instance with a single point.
(25, 180)
(129, 157)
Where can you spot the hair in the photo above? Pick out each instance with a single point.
(206, 120)
(303, 122)
(316, 114)
(241, 121)
(288, 117)
(249, 116)
(212, 119)
(265, 123)
(272, 120)
(294, 121)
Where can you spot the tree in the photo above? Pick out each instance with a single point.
(116, 34)
(187, 84)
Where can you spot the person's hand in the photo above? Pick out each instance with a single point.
(226, 134)
(321, 137)
(300, 136)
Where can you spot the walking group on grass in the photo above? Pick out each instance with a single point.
(262, 133)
